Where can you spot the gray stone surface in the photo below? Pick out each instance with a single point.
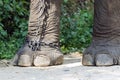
(70, 70)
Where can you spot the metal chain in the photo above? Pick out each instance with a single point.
(36, 46)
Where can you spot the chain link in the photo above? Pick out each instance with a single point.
(36, 45)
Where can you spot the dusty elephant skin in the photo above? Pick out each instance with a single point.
(41, 47)
(42, 43)
(105, 47)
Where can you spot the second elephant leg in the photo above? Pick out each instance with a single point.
(105, 47)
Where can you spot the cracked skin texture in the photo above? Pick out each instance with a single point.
(44, 28)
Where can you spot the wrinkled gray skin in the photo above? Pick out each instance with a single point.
(42, 45)
(105, 47)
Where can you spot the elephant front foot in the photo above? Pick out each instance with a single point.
(47, 57)
(44, 60)
(101, 55)
(99, 60)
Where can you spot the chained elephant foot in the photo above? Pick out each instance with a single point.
(48, 57)
(106, 55)
(44, 61)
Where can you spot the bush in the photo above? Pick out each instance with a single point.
(13, 26)
(75, 27)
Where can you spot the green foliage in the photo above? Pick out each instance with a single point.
(76, 23)
(76, 26)
(13, 25)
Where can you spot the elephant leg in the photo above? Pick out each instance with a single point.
(42, 43)
(25, 55)
(105, 47)
(50, 40)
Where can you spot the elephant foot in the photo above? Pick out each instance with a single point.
(41, 61)
(98, 60)
(44, 61)
(101, 55)
(48, 56)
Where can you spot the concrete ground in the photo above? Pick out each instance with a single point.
(72, 69)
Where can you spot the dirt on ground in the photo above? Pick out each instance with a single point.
(72, 69)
